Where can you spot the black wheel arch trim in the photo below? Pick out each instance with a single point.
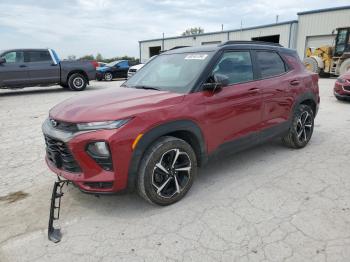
(161, 130)
(305, 97)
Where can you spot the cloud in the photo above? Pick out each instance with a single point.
(114, 28)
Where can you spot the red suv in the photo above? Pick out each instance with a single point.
(181, 108)
(342, 87)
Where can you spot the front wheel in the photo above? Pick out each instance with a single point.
(301, 128)
(167, 171)
(77, 82)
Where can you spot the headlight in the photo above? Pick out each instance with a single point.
(102, 125)
(341, 80)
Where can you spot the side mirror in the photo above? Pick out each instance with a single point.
(220, 81)
(2, 60)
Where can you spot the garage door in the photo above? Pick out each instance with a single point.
(318, 41)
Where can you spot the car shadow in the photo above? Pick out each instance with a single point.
(223, 169)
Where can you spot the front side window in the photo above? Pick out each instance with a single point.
(270, 64)
(236, 65)
(38, 56)
(123, 64)
(13, 57)
(171, 72)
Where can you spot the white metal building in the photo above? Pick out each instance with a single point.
(312, 29)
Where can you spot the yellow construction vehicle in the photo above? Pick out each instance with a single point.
(330, 60)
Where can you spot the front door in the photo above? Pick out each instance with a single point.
(234, 111)
(41, 67)
(13, 73)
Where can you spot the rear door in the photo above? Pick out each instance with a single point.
(41, 68)
(274, 84)
(13, 73)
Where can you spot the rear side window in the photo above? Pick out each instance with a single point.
(38, 56)
(270, 64)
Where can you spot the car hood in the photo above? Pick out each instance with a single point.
(113, 104)
(137, 67)
(346, 75)
(102, 68)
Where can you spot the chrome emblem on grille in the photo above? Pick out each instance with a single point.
(53, 123)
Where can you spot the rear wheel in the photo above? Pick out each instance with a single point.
(108, 76)
(167, 171)
(311, 65)
(301, 129)
(77, 82)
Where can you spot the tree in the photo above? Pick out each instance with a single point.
(193, 31)
(87, 57)
(71, 57)
(99, 57)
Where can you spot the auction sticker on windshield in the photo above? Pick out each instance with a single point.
(196, 57)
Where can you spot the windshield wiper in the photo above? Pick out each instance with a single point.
(146, 87)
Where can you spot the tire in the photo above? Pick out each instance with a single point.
(345, 66)
(108, 76)
(160, 183)
(311, 65)
(301, 129)
(77, 82)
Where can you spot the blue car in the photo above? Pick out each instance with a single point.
(115, 69)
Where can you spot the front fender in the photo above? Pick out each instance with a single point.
(152, 135)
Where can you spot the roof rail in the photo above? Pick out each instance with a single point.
(250, 43)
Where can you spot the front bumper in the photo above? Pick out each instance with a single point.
(342, 91)
(99, 75)
(91, 177)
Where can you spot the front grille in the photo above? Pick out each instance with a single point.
(132, 70)
(60, 156)
(64, 125)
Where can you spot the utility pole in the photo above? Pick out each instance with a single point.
(222, 27)
(163, 43)
(277, 19)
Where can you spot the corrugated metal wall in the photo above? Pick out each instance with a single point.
(282, 30)
(320, 24)
(293, 35)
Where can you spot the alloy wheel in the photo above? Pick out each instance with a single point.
(172, 173)
(78, 82)
(304, 127)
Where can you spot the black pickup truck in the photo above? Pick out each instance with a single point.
(41, 67)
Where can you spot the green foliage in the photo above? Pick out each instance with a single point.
(193, 31)
(100, 58)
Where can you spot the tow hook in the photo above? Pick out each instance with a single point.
(54, 233)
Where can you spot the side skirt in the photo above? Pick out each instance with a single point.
(251, 140)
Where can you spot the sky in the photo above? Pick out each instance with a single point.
(114, 27)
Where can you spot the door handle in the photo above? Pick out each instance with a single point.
(294, 82)
(253, 90)
(22, 66)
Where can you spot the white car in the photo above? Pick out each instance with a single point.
(133, 69)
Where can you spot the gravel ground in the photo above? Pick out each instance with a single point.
(268, 203)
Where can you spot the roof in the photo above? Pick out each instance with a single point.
(25, 49)
(324, 10)
(226, 31)
(228, 45)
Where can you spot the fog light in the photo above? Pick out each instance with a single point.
(99, 149)
(100, 152)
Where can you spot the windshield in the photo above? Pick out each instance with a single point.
(111, 64)
(171, 72)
